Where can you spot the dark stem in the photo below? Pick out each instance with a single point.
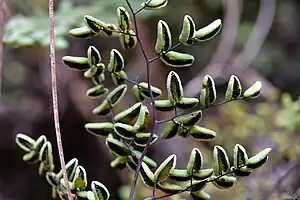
(140, 160)
(55, 99)
(164, 53)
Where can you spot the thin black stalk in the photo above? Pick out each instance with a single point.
(164, 53)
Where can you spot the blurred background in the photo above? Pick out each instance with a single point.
(259, 41)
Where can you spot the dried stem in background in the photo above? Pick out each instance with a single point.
(55, 99)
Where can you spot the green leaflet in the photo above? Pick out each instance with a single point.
(125, 131)
(95, 24)
(203, 174)
(46, 156)
(124, 21)
(224, 182)
(221, 161)
(195, 161)
(119, 162)
(197, 185)
(51, 178)
(146, 175)
(137, 94)
(177, 59)
(244, 171)
(253, 91)
(163, 38)
(94, 56)
(76, 63)
(189, 119)
(180, 175)
(174, 87)
(128, 114)
(42, 169)
(141, 139)
(31, 157)
(144, 90)
(115, 96)
(209, 31)
(165, 169)
(25, 142)
(170, 130)
(199, 195)
(100, 191)
(82, 32)
(188, 31)
(100, 129)
(116, 61)
(119, 78)
(240, 157)
(163, 105)
(99, 77)
(96, 92)
(170, 188)
(154, 4)
(70, 168)
(128, 40)
(80, 179)
(234, 89)
(117, 147)
(259, 159)
(187, 103)
(141, 123)
(102, 109)
(150, 163)
(201, 133)
(210, 90)
(90, 73)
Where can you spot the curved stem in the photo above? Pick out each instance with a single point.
(55, 99)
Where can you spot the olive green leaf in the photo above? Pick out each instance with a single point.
(203, 174)
(170, 188)
(31, 157)
(195, 161)
(243, 171)
(224, 182)
(209, 31)
(124, 130)
(43, 168)
(124, 21)
(164, 39)
(199, 195)
(209, 84)
(46, 155)
(189, 119)
(170, 130)
(100, 129)
(115, 96)
(163, 105)
(128, 113)
(147, 175)
(119, 162)
(174, 87)
(180, 175)
(25, 142)
(202, 97)
(116, 61)
(51, 179)
(119, 78)
(253, 91)
(148, 161)
(110, 29)
(240, 157)
(95, 24)
(96, 92)
(221, 161)
(177, 59)
(187, 103)
(188, 31)
(94, 56)
(99, 77)
(201, 133)
(39, 143)
(197, 185)
(76, 63)
(91, 72)
(183, 131)
(100, 191)
(234, 89)
(259, 159)
(128, 40)
(154, 4)
(165, 169)
(80, 178)
(137, 94)
(141, 139)
(141, 123)
(82, 32)
(117, 147)
(102, 109)
(70, 168)
(144, 90)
